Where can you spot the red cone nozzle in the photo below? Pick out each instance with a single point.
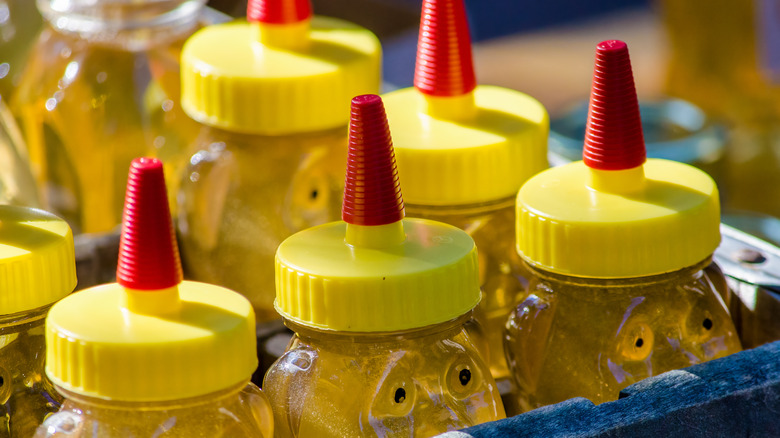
(372, 194)
(444, 65)
(148, 254)
(278, 11)
(613, 136)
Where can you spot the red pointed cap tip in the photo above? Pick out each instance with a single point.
(372, 193)
(613, 135)
(148, 253)
(278, 11)
(444, 64)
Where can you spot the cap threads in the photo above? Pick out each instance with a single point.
(613, 135)
(444, 64)
(372, 193)
(148, 253)
(278, 11)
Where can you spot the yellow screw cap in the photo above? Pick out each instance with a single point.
(375, 271)
(616, 215)
(37, 263)
(150, 337)
(281, 73)
(458, 143)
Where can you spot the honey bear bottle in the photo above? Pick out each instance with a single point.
(463, 152)
(152, 355)
(272, 96)
(378, 304)
(623, 286)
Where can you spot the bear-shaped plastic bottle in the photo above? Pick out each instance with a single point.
(152, 355)
(378, 304)
(620, 247)
(37, 268)
(463, 152)
(272, 95)
(101, 87)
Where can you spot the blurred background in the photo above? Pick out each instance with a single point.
(541, 48)
(722, 57)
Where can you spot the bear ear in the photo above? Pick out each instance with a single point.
(290, 385)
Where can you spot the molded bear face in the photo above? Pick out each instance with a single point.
(400, 387)
(244, 195)
(568, 340)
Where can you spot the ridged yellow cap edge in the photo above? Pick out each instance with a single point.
(96, 347)
(325, 283)
(483, 158)
(232, 81)
(567, 227)
(37, 260)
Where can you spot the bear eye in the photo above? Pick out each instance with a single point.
(400, 395)
(462, 379)
(636, 341)
(464, 376)
(707, 324)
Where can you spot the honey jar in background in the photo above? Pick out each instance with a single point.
(272, 96)
(463, 151)
(100, 87)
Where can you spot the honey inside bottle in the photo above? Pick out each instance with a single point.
(32, 242)
(151, 354)
(381, 345)
(463, 151)
(101, 87)
(269, 159)
(619, 248)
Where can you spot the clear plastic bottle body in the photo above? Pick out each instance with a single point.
(503, 275)
(238, 412)
(27, 396)
(418, 383)
(101, 88)
(586, 337)
(242, 195)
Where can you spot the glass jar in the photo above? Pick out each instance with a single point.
(101, 88)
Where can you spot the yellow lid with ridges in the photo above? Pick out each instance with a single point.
(446, 159)
(150, 336)
(616, 214)
(375, 271)
(584, 222)
(273, 79)
(323, 281)
(458, 143)
(116, 343)
(37, 261)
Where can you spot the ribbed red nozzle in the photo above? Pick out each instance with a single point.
(278, 11)
(444, 65)
(613, 136)
(372, 194)
(148, 254)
